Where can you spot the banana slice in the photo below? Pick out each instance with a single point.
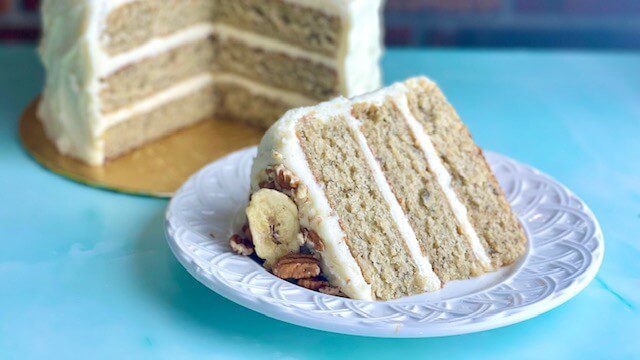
(273, 220)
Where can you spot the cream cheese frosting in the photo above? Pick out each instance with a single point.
(362, 48)
(75, 63)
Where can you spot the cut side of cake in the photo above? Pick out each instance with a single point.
(393, 197)
(124, 72)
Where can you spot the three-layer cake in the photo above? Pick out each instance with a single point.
(387, 191)
(124, 72)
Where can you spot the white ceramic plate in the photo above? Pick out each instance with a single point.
(566, 249)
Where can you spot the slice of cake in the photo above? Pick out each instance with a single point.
(386, 191)
(121, 73)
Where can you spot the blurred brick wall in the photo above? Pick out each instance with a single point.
(467, 23)
(514, 23)
(19, 20)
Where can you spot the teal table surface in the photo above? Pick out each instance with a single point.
(87, 273)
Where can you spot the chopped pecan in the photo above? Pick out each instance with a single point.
(285, 180)
(241, 246)
(296, 266)
(331, 290)
(313, 239)
(313, 284)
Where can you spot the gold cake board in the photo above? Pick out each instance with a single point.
(156, 169)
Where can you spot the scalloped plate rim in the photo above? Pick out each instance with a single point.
(384, 330)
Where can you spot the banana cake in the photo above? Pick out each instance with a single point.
(120, 73)
(377, 197)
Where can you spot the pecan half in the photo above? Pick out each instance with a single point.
(313, 239)
(313, 284)
(241, 246)
(296, 266)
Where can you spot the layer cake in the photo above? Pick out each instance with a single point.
(386, 191)
(120, 73)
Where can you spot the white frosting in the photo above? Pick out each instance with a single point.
(152, 48)
(175, 92)
(75, 62)
(68, 104)
(362, 48)
(281, 146)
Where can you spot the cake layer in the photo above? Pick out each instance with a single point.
(134, 23)
(201, 99)
(316, 28)
(414, 184)
(141, 128)
(373, 237)
(475, 185)
(220, 53)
